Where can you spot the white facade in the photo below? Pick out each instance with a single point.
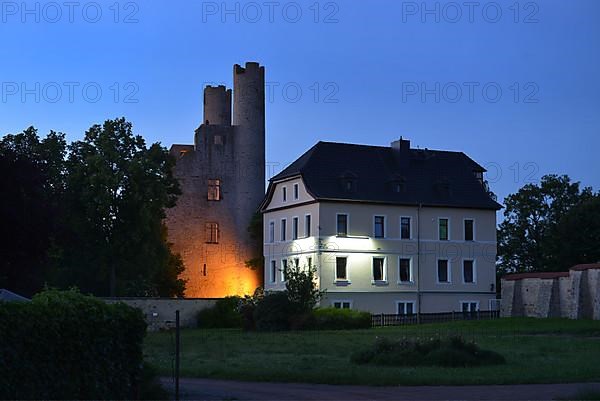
(392, 273)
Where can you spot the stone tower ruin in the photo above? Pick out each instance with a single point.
(222, 177)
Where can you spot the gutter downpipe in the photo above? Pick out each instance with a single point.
(419, 263)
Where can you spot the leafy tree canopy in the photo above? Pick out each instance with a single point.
(532, 235)
(101, 202)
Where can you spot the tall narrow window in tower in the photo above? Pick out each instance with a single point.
(212, 233)
(296, 191)
(379, 229)
(295, 228)
(214, 190)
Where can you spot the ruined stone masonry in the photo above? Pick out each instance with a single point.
(574, 294)
(222, 177)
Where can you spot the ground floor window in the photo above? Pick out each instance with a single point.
(405, 307)
(469, 306)
(342, 304)
(273, 277)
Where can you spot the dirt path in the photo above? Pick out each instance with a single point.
(209, 389)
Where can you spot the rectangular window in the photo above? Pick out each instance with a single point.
(297, 263)
(273, 276)
(284, 194)
(214, 190)
(341, 268)
(271, 231)
(379, 269)
(284, 268)
(342, 224)
(468, 271)
(405, 272)
(443, 271)
(296, 191)
(342, 304)
(283, 229)
(469, 232)
(443, 229)
(309, 262)
(404, 227)
(295, 228)
(212, 233)
(307, 225)
(379, 229)
(469, 306)
(406, 308)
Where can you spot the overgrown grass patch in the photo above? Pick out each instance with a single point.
(536, 351)
(446, 352)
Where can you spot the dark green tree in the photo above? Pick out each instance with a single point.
(577, 237)
(117, 190)
(255, 231)
(527, 238)
(32, 186)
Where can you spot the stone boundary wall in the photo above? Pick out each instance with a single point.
(574, 294)
(160, 312)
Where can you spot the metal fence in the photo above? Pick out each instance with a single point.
(382, 320)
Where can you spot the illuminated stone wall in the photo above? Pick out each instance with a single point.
(574, 294)
(234, 155)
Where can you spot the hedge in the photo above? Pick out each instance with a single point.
(341, 319)
(224, 314)
(64, 345)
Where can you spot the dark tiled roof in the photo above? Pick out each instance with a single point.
(427, 177)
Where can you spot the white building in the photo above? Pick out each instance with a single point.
(388, 229)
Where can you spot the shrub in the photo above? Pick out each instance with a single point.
(64, 345)
(247, 307)
(224, 314)
(340, 319)
(450, 352)
(301, 288)
(273, 312)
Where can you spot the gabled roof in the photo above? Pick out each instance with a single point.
(427, 177)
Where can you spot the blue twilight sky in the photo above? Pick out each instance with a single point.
(513, 84)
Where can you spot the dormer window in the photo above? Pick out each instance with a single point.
(398, 185)
(479, 176)
(348, 181)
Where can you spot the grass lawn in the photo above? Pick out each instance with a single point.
(536, 351)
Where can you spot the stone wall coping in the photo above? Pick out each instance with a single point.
(540, 275)
(586, 266)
